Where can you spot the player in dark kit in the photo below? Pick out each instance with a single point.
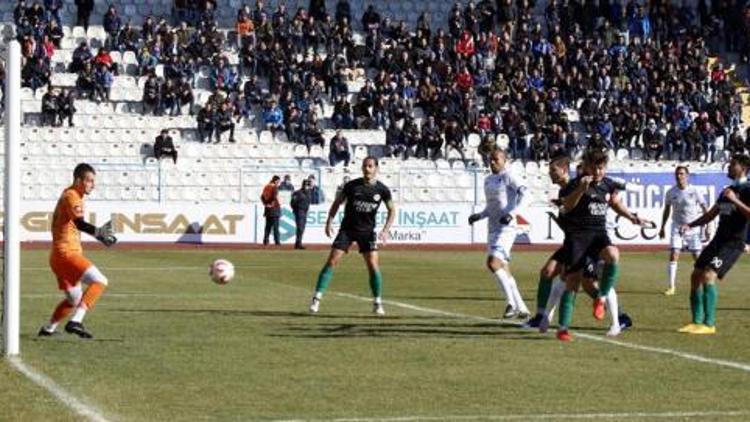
(549, 292)
(733, 207)
(585, 201)
(363, 197)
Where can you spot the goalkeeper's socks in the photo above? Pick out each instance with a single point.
(63, 309)
(90, 297)
(79, 314)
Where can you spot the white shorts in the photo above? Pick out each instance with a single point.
(690, 241)
(500, 242)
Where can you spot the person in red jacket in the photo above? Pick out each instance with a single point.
(272, 209)
(464, 80)
(102, 57)
(465, 45)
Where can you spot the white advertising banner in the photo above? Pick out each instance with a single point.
(151, 221)
(537, 226)
(415, 223)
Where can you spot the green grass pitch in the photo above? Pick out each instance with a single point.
(171, 345)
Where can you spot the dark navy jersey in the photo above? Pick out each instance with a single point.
(590, 214)
(362, 202)
(733, 224)
(561, 219)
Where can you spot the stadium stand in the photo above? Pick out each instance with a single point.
(530, 78)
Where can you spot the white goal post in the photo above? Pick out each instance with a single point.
(11, 230)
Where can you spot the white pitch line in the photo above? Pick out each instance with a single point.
(534, 416)
(664, 351)
(77, 405)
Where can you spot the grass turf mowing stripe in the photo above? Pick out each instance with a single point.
(537, 416)
(77, 405)
(677, 353)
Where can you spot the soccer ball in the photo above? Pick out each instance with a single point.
(221, 271)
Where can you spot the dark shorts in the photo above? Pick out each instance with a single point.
(366, 241)
(562, 255)
(584, 247)
(720, 256)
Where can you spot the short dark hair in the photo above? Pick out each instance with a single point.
(678, 168)
(275, 178)
(595, 157)
(562, 160)
(743, 159)
(373, 158)
(81, 169)
(559, 155)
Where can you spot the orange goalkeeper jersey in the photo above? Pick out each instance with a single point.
(66, 239)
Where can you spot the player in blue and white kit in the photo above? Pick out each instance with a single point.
(504, 195)
(687, 205)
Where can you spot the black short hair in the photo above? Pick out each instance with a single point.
(559, 155)
(373, 158)
(81, 169)
(743, 159)
(595, 157)
(563, 160)
(275, 178)
(678, 168)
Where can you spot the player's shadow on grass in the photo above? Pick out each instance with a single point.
(416, 329)
(272, 314)
(69, 338)
(476, 298)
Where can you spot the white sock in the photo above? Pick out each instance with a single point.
(520, 304)
(318, 295)
(505, 283)
(558, 288)
(672, 271)
(79, 314)
(52, 326)
(614, 307)
(378, 300)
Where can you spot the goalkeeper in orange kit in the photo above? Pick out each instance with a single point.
(67, 260)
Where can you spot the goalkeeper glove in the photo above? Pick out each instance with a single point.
(474, 218)
(105, 234)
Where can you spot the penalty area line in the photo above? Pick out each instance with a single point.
(659, 350)
(537, 416)
(81, 408)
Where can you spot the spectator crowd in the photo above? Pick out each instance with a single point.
(612, 74)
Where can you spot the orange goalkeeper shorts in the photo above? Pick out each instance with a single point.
(68, 268)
